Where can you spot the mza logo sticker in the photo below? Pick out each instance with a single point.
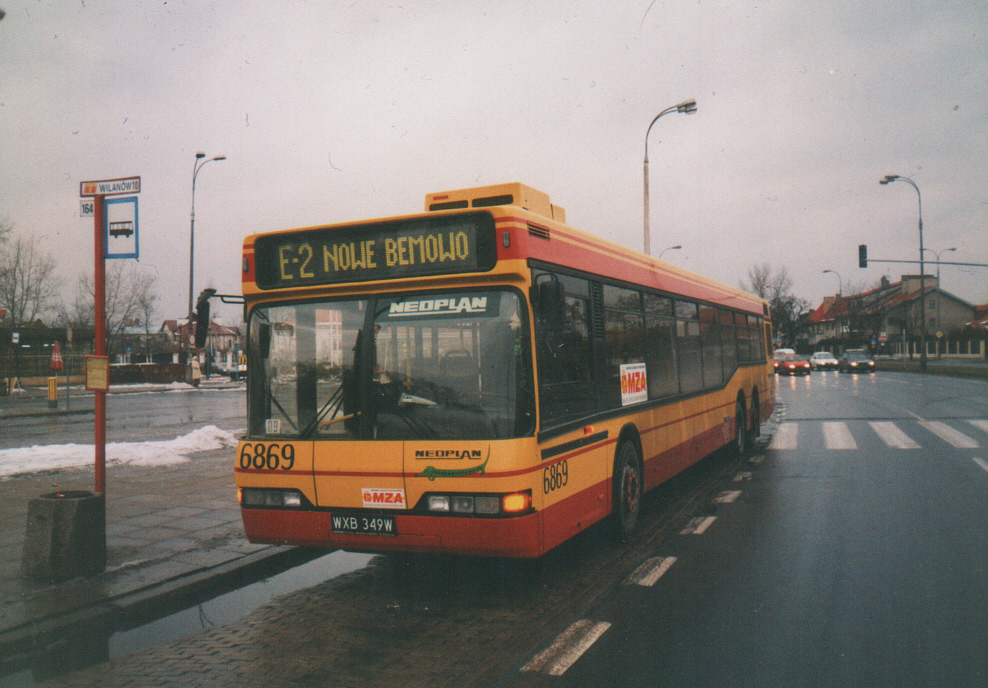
(634, 383)
(383, 499)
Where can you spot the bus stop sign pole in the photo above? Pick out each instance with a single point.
(97, 368)
(100, 340)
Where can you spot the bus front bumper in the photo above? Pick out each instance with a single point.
(518, 537)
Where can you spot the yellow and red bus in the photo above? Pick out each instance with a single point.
(480, 378)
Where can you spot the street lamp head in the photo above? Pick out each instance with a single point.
(220, 157)
(687, 107)
(889, 178)
(200, 154)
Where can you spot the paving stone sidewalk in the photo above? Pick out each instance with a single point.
(171, 531)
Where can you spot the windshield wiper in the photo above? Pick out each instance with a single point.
(332, 404)
(281, 408)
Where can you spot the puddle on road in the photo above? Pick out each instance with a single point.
(233, 605)
(224, 609)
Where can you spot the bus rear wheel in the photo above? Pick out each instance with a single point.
(741, 437)
(628, 489)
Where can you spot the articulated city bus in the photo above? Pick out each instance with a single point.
(480, 378)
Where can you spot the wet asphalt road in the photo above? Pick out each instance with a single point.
(856, 556)
(850, 552)
(131, 417)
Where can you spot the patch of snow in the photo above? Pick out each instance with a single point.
(55, 457)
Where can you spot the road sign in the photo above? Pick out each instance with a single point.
(110, 187)
(120, 232)
(97, 373)
(15, 338)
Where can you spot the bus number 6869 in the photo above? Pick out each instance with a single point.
(267, 456)
(555, 477)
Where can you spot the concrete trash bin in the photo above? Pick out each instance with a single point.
(66, 536)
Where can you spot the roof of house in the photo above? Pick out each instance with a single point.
(216, 329)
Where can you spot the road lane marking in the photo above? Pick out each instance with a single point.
(650, 571)
(786, 437)
(892, 436)
(837, 436)
(980, 462)
(980, 424)
(698, 525)
(568, 647)
(727, 497)
(949, 435)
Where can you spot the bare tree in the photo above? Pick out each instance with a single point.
(775, 286)
(28, 280)
(130, 300)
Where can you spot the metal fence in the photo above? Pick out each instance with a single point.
(38, 365)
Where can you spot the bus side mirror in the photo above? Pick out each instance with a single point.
(550, 300)
(264, 340)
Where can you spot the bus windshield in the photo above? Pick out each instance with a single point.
(449, 365)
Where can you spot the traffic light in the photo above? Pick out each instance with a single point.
(202, 318)
(863, 256)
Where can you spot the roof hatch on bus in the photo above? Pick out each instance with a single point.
(514, 193)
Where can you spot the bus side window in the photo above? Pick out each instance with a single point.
(563, 355)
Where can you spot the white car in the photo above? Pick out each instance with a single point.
(823, 360)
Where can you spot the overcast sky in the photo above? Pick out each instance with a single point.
(337, 111)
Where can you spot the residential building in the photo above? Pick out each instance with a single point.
(888, 319)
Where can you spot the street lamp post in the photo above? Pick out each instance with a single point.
(840, 295)
(670, 248)
(939, 298)
(199, 164)
(687, 107)
(922, 269)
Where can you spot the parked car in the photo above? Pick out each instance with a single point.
(780, 354)
(823, 360)
(856, 361)
(794, 365)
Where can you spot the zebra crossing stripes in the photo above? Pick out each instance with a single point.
(837, 435)
(952, 437)
(786, 437)
(892, 436)
(980, 424)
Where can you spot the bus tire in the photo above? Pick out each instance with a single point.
(628, 488)
(741, 438)
(756, 416)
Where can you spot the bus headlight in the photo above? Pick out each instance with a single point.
(487, 504)
(253, 497)
(439, 503)
(490, 505)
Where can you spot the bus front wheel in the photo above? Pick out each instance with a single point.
(628, 489)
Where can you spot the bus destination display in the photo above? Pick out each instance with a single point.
(385, 250)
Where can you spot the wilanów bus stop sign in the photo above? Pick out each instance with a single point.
(110, 187)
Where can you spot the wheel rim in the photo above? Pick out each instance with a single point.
(630, 490)
(741, 431)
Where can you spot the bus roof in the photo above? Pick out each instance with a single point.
(538, 231)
